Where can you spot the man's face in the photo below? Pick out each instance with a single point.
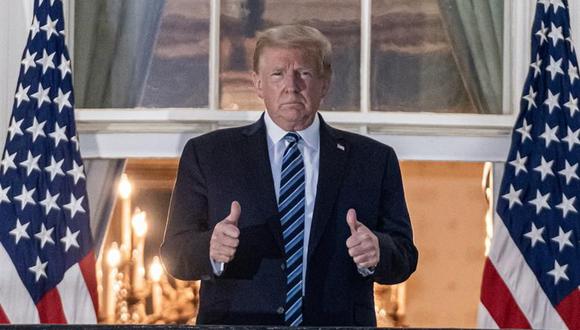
(290, 84)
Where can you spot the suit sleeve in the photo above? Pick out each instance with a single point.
(185, 247)
(398, 254)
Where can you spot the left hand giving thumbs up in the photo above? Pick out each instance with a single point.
(363, 244)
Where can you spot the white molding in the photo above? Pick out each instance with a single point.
(410, 147)
(123, 133)
(102, 120)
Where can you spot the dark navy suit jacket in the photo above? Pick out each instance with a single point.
(233, 164)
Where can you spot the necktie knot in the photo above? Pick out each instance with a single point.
(292, 137)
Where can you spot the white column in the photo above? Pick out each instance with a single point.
(518, 19)
(575, 22)
(14, 21)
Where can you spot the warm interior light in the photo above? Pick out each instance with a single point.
(155, 270)
(125, 187)
(114, 255)
(139, 224)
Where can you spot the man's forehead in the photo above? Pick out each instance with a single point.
(282, 55)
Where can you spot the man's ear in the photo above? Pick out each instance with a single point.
(257, 84)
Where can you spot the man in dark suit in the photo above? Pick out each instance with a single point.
(288, 221)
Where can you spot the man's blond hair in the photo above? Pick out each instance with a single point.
(305, 38)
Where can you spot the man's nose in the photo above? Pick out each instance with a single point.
(293, 82)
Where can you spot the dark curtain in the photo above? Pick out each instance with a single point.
(114, 43)
(475, 29)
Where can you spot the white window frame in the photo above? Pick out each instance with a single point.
(121, 133)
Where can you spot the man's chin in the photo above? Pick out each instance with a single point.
(291, 119)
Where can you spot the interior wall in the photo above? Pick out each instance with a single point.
(447, 207)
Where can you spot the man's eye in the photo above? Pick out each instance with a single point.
(306, 73)
(277, 73)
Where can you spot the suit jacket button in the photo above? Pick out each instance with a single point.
(280, 310)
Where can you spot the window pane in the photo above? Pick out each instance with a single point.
(179, 70)
(437, 56)
(240, 20)
(141, 53)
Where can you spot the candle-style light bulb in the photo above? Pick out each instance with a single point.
(114, 255)
(125, 187)
(139, 224)
(155, 270)
(155, 273)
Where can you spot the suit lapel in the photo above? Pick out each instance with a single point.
(260, 176)
(333, 159)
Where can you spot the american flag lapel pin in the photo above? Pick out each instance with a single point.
(340, 146)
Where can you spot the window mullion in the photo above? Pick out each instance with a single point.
(69, 27)
(214, 52)
(518, 19)
(365, 55)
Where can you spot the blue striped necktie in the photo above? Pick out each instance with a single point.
(291, 207)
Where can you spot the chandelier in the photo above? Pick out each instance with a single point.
(130, 293)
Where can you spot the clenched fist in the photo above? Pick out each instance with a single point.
(225, 237)
(363, 244)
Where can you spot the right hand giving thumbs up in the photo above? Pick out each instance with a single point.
(225, 237)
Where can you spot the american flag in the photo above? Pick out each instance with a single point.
(47, 264)
(532, 274)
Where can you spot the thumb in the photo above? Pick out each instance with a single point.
(352, 221)
(234, 216)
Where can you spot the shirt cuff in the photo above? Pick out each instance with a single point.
(366, 271)
(218, 267)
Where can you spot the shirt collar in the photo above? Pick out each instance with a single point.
(310, 135)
